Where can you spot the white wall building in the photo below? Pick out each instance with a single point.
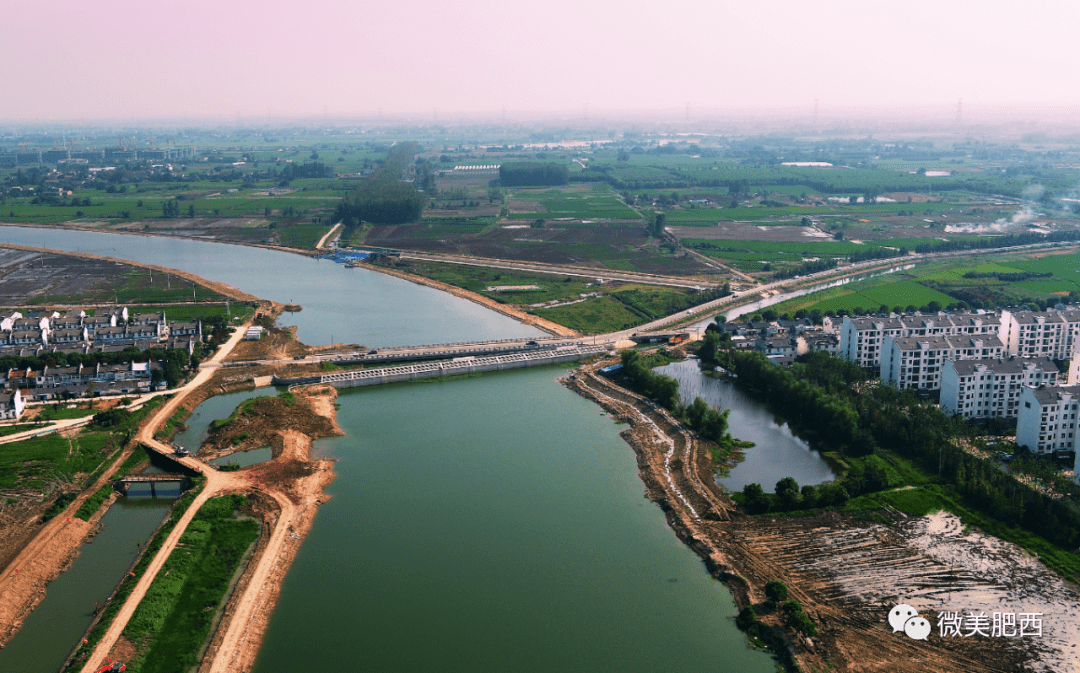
(1046, 421)
(991, 387)
(11, 405)
(862, 340)
(917, 361)
(1049, 334)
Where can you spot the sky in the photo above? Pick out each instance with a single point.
(122, 59)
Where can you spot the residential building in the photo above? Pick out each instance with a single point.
(986, 388)
(1047, 418)
(776, 346)
(818, 341)
(1051, 334)
(11, 405)
(917, 361)
(862, 339)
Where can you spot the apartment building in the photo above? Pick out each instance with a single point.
(1046, 418)
(862, 340)
(917, 361)
(986, 388)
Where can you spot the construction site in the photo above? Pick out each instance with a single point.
(846, 572)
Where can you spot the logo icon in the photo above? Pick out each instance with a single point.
(905, 618)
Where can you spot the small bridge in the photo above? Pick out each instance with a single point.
(153, 479)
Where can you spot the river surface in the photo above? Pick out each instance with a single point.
(494, 524)
(53, 629)
(777, 453)
(340, 305)
(484, 524)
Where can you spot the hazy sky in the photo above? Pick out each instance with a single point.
(125, 59)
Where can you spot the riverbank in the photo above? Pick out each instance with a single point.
(843, 570)
(292, 474)
(509, 311)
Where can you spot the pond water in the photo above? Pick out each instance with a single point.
(53, 629)
(777, 453)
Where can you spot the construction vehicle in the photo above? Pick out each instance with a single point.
(112, 667)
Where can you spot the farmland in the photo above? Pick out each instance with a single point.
(946, 284)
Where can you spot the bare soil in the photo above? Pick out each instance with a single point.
(747, 552)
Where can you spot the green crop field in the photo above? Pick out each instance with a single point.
(27, 464)
(601, 202)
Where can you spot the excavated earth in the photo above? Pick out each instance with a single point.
(847, 573)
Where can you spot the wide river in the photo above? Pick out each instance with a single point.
(486, 524)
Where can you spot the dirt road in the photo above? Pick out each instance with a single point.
(216, 484)
(844, 571)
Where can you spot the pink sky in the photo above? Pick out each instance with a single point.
(125, 59)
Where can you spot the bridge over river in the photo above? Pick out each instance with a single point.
(153, 479)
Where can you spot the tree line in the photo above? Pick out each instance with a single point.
(382, 198)
(533, 174)
(831, 399)
(637, 374)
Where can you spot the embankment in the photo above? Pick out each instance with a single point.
(516, 314)
(747, 552)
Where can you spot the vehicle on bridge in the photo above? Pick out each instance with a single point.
(181, 451)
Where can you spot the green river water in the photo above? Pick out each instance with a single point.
(485, 524)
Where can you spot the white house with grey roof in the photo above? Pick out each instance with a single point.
(986, 388)
(1051, 334)
(862, 340)
(1046, 421)
(917, 361)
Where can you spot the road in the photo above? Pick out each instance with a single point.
(217, 483)
(322, 241)
(561, 270)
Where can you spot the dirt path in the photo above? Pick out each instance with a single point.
(844, 571)
(322, 241)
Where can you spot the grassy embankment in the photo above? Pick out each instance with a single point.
(618, 306)
(176, 615)
(127, 585)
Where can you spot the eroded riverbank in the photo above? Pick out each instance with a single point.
(847, 573)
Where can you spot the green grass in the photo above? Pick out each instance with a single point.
(595, 316)
(92, 504)
(303, 236)
(59, 412)
(30, 462)
(179, 609)
(812, 247)
(192, 312)
(601, 202)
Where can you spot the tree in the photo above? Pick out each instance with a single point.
(754, 499)
(747, 618)
(656, 224)
(776, 591)
(806, 222)
(787, 490)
